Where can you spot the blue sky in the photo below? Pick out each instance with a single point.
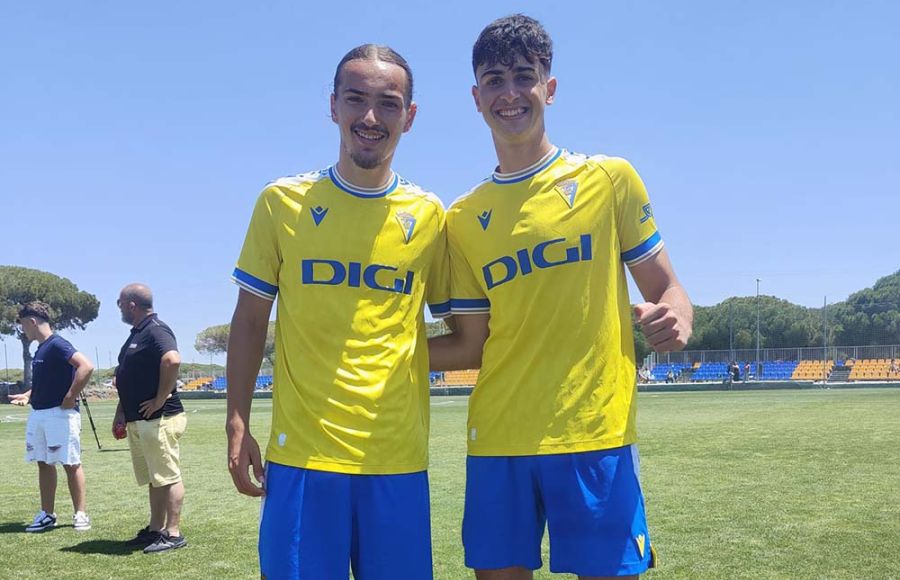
(134, 137)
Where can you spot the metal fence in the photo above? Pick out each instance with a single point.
(835, 353)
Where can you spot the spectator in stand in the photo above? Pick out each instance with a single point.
(746, 372)
(644, 375)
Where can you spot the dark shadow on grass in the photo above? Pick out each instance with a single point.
(112, 450)
(105, 547)
(19, 528)
(12, 528)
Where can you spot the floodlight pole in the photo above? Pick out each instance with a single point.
(758, 370)
(6, 361)
(824, 338)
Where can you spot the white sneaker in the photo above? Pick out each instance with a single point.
(81, 522)
(42, 521)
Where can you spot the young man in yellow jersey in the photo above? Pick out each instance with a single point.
(353, 252)
(540, 303)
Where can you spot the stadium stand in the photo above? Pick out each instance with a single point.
(712, 371)
(812, 370)
(873, 370)
(840, 373)
(780, 370)
(197, 383)
(806, 370)
(220, 383)
(661, 370)
(771, 370)
(459, 378)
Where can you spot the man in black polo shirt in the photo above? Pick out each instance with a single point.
(153, 414)
(52, 434)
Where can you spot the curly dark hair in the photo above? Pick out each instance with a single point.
(382, 53)
(516, 35)
(37, 309)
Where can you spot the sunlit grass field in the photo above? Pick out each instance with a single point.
(787, 484)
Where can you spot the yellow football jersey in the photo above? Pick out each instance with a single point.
(543, 251)
(352, 269)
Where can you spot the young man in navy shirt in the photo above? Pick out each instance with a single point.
(52, 434)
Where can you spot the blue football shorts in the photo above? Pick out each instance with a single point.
(320, 525)
(591, 503)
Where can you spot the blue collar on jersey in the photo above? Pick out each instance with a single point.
(530, 171)
(367, 192)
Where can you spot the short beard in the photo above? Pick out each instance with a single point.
(365, 162)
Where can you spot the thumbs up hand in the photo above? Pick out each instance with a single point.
(663, 327)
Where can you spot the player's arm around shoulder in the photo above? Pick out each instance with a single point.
(667, 316)
(469, 330)
(246, 342)
(462, 348)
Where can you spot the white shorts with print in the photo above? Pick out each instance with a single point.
(53, 436)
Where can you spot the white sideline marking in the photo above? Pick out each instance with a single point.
(12, 418)
(442, 403)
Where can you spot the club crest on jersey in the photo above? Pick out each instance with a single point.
(318, 213)
(407, 224)
(567, 189)
(485, 218)
(648, 212)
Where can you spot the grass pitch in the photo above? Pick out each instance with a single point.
(786, 484)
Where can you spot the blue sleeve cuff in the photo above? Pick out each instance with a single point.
(644, 250)
(441, 310)
(470, 305)
(254, 285)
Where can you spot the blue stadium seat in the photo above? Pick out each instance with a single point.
(660, 371)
